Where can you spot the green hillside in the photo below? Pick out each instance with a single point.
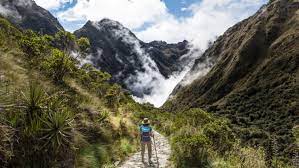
(55, 113)
(254, 82)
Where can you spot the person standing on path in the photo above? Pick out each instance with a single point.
(146, 134)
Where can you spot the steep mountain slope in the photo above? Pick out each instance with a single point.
(28, 15)
(117, 50)
(84, 121)
(255, 79)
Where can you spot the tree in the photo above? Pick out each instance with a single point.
(83, 45)
(64, 41)
(35, 47)
(59, 65)
(113, 96)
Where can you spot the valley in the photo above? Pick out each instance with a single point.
(78, 99)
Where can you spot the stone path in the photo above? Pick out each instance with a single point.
(163, 151)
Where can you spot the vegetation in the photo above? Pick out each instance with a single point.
(55, 112)
(200, 139)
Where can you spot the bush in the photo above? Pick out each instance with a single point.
(126, 147)
(83, 45)
(220, 134)
(59, 65)
(43, 131)
(190, 149)
(35, 47)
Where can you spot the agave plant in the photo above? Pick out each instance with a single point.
(33, 102)
(57, 131)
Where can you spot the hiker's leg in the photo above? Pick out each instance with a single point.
(149, 146)
(142, 150)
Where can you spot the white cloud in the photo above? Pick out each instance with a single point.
(132, 13)
(209, 18)
(52, 4)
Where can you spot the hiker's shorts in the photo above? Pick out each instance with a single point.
(149, 148)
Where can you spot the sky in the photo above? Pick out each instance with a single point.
(197, 21)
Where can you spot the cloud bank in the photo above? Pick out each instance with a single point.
(52, 4)
(151, 19)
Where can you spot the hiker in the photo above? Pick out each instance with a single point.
(146, 134)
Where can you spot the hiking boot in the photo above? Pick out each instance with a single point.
(150, 162)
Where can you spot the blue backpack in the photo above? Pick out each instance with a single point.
(145, 131)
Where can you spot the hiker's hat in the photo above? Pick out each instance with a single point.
(145, 121)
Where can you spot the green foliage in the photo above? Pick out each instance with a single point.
(83, 45)
(8, 28)
(58, 65)
(190, 148)
(102, 116)
(241, 157)
(113, 96)
(57, 130)
(34, 46)
(95, 155)
(33, 102)
(8, 34)
(220, 134)
(38, 128)
(93, 79)
(64, 41)
(126, 147)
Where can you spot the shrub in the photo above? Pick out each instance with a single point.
(65, 41)
(35, 47)
(220, 134)
(83, 45)
(190, 148)
(43, 135)
(113, 96)
(126, 147)
(57, 130)
(58, 65)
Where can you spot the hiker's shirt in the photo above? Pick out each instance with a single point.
(145, 131)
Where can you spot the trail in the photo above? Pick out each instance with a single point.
(163, 150)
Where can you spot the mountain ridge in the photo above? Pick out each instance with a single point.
(117, 50)
(28, 15)
(254, 78)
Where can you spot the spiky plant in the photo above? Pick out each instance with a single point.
(33, 102)
(57, 131)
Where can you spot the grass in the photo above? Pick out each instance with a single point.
(100, 135)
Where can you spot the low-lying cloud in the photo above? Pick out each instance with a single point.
(151, 85)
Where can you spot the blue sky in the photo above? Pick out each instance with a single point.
(197, 21)
(175, 7)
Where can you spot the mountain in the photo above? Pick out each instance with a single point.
(253, 76)
(26, 14)
(116, 50)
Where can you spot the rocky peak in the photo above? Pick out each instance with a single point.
(26, 14)
(117, 50)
